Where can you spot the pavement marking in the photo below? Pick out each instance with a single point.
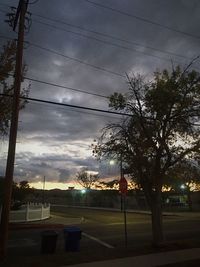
(13, 243)
(97, 240)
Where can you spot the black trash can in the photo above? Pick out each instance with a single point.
(49, 239)
(72, 237)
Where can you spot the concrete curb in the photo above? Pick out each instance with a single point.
(150, 260)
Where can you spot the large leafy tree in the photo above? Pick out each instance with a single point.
(160, 130)
(7, 67)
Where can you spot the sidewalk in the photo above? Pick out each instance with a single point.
(150, 260)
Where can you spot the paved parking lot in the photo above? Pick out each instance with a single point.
(102, 238)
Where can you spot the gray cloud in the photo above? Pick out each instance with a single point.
(56, 141)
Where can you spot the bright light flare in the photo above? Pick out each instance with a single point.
(112, 162)
(83, 191)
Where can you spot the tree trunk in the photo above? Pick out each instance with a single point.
(157, 221)
(154, 199)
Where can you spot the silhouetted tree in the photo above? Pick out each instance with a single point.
(7, 67)
(21, 190)
(160, 130)
(86, 179)
(110, 184)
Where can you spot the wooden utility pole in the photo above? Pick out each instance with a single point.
(20, 15)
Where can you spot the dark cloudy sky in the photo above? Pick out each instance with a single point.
(55, 141)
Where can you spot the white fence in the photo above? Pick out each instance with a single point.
(30, 212)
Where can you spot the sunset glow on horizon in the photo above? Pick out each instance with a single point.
(55, 185)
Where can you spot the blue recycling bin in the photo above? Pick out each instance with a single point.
(49, 240)
(72, 237)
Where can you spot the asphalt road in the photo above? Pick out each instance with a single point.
(102, 236)
(108, 226)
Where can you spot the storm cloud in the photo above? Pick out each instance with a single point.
(97, 47)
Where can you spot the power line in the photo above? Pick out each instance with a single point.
(61, 86)
(125, 14)
(83, 62)
(117, 45)
(57, 85)
(71, 58)
(141, 19)
(77, 60)
(110, 43)
(75, 106)
(69, 105)
(104, 42)
(88, 64)
(65, 87)
(104, 35)
(80, 61)
(81, 112)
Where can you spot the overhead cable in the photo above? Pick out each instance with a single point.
(102, 34)
(69, 105)
(117, 45)
(64, 87)
(141, 19)
(76, 60)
